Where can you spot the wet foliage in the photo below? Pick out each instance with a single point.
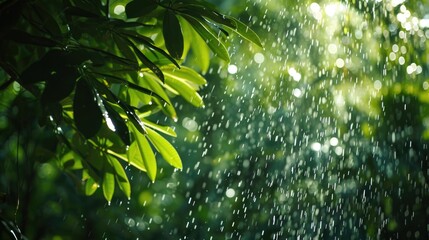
(322, 133)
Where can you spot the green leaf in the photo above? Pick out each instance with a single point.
(136, 36)
(138, 99)
(101, 88)
(140, 153)
(153, 84)
(152, 66)
(125, 49)
(167, 151)
(247, 33)
(146, 91)
(90, 171)
(69, 164)
(185, 74)
(164, 129)
(133, 117)
(198, 11)
(117, 124)
(110, 140)
(149, 43)
(200, 50)
(186, 31)
(79, 143)
(210, 38)
(95, 161)
(87, 114)
(138, 8)
(115, 79)
(121, 176)
(69, 161)
(90, 186)
(129, 111)
(108, 185)
(173, 36)
(148, 110)
(186, 91)
(60, 84)
(133, 157)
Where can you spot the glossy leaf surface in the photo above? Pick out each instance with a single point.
(118, 124)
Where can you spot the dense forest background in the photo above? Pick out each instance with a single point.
(323, 133)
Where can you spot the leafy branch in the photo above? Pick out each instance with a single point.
(96, 78)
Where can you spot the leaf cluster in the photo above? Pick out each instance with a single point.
(97, 77)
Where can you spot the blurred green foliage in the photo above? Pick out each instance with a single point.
(322, 134)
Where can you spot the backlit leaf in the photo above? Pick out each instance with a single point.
(142, 89)
(186, 91)
(210, 38)
(244, 31)
(152, 83)
(150, 44)
(167, 151)
(185, 74)
(200, 50)
(198, 11)
(121, 176)
(140, 153)
(164, 129)
(90, 187)
(133, 157)
(108, 185)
